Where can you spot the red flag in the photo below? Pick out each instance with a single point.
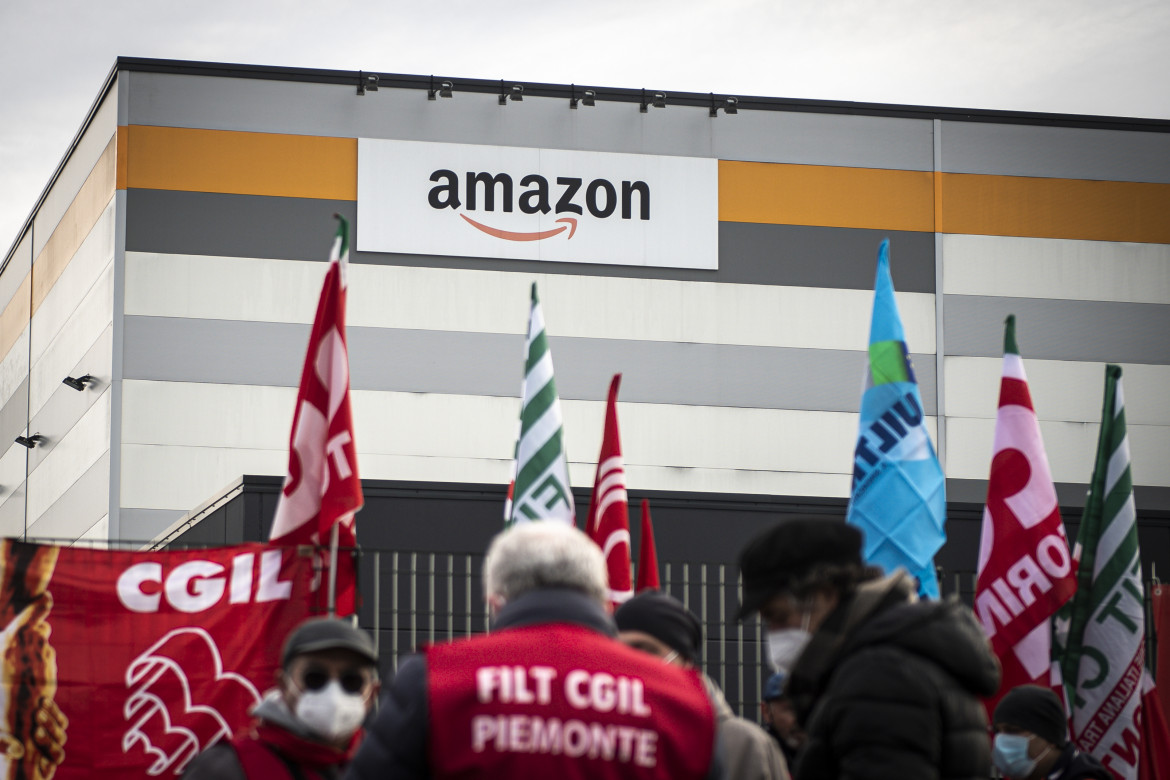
(609, 516)
(1160, 603)
(323, 488)
(1025, 570)
(1154, 761)
(647, 556)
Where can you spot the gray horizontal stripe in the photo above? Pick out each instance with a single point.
(418, 361)
(1070, 495)
(14, 415)
(260, 105)
(1105, 331)
(1060, 152)
(195, 223)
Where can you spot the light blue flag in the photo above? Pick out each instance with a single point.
(899, 493)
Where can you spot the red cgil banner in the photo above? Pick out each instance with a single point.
(128, 664)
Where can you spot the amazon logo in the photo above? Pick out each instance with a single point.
(485, 192)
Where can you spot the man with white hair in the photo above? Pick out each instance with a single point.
(549, 692)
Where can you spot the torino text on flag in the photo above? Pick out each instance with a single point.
(1025, 571)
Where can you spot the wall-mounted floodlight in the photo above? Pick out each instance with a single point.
(588, 97)
(442, 90)
(79, 383)
(514, 92)
(729, 105)
(367, 82)
(657, 99)
(30, 441)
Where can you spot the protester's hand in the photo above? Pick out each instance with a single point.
(49, 738)
(35, 737)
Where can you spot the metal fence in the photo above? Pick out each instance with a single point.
(414, 598)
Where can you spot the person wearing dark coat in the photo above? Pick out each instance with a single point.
(309, 726)
(547, 691)
(659, 624)
(884, 685)
(1031, 739)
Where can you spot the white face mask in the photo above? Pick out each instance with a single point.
(331, 712)
(786, 644)
(785, 647)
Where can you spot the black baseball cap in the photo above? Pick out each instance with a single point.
(326, 633)
(775, 559)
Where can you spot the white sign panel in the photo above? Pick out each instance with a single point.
(465, 200)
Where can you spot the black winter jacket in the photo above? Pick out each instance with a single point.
(889, 688)
(1075, 765)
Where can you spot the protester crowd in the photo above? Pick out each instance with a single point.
(868, 682)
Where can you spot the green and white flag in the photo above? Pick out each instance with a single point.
(1100, 634)
(540, 476)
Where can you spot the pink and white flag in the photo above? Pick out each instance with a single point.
(1025, 571)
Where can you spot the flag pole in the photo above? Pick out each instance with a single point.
(333, 570)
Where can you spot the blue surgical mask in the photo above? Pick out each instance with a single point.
(1010, 756)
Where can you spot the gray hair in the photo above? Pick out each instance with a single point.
(546, 554)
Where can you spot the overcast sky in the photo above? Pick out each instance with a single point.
(1103, 57)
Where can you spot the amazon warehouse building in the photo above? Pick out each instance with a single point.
(716, 250)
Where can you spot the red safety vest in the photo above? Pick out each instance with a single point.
(562, 701)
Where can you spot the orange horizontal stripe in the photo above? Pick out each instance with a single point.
(782, 194)
(1056, 208)
(292, 166)
(770, 193)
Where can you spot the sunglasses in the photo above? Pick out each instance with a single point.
(315, 678)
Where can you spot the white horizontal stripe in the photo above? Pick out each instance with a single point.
(1071, 449)
(79, 333)
(1008, 266)
(1061, 389)
(70, 458)
(386, 296)
(428, 424)
(180, 478)
(236, 429)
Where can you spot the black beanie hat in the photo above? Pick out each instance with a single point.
(664, 618)
(1034, 709)
(772, 561)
